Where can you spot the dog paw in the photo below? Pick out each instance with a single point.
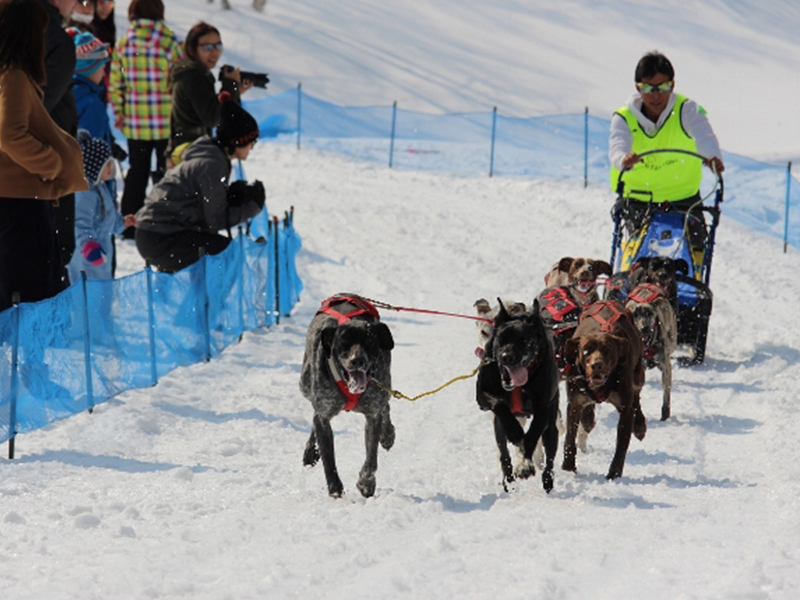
(310, 456)
(335, 489)
(639, 425)
(366, 485)
(524, 470)
(387, 436)
(510, 484)
(614, 473)
(665, 413)
(547, 480)
(568, 465)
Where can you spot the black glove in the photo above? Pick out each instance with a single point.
(237, 193)
(118, 152)
(256, 193)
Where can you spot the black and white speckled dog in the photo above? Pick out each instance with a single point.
(346, 348)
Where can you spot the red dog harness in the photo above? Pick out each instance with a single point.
(361, 307)
(647, 293)
(617, 311)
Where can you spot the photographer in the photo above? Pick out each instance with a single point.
(195, 107)
(193, 202)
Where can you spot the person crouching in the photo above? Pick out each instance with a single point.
(97, 217)
(194, 201)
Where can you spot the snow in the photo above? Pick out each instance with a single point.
(195, 488)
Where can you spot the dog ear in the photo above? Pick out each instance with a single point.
(622, 347)
(502, 314)
(385, 339)
(482, 306)
(565, 263)
(601, 267)
(326, 336)
(571, 348)
(681, 266)
(535, 308)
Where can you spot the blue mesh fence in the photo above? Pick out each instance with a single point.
(573, 145)
(97, 339)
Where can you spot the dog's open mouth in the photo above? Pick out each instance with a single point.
(513, 377)
(597, 380)
(357, 381)
(585, 285)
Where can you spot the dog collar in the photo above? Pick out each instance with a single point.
(352, 399)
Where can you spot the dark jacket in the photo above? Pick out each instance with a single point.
(195, 106)
(194, 195)
(92, 114)
(59, 66)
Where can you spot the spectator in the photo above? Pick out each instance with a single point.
(184, 211)
(92, 56)
(96, 216)
(139, 93)
(82, 15)
(195, 106)
(60, 103)
(103, 26)
(39, 162)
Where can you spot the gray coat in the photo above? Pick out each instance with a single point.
(194, 195)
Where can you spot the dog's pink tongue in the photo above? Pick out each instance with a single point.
(357, 382)
(518, 374)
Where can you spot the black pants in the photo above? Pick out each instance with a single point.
(635, 213)
(175, 251)
(65, 230)
(140, 154)
(30, 257)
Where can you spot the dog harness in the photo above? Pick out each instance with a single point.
(561, 314)
(360, 307)
(617, 311)
(647, 293)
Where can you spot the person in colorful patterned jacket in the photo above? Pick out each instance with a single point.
(140, 95)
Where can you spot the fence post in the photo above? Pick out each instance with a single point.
(204, 294)
(394, 122)
(151, 322)
(494, 130)
(241, 283)
(87, 343)
(299, 113)
(586, 147)
(277, 273)
(12, 413)
(786, 214)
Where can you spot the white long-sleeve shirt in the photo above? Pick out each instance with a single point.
(694, 122)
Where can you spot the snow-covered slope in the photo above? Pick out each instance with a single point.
(195, 489)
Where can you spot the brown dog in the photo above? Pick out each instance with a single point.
(580, 276)
(655, 319)
(605, 354)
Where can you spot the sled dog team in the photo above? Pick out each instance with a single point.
(600, 348)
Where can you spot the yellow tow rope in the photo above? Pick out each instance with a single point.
(402, 396)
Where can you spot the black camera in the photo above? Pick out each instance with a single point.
(258, 79)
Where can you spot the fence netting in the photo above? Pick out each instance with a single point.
(98, 338)
(571, 145)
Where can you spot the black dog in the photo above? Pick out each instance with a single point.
(347, 347)
(519, 380)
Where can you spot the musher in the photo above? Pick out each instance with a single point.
(655, 117)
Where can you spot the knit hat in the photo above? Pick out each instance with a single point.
(91, 53)
(96, 154)
(236, 126)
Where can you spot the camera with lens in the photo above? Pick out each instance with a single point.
(258, 79)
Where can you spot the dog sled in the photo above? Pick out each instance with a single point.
(662, 231)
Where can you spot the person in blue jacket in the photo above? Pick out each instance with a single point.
(97, 218)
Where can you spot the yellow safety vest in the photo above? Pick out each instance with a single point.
(664, 177)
